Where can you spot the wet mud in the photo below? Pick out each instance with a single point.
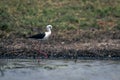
(92, 50)
(63, 48)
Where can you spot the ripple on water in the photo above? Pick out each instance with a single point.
(59, 69)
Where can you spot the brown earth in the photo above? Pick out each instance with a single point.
(89, 44)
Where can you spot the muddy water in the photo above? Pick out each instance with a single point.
(59, 70)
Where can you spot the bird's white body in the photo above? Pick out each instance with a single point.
(48, 33)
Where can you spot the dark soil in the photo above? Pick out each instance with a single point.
(100, 45)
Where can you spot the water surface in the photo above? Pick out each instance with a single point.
(59, 70)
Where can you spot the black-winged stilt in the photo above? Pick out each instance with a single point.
(43, 36)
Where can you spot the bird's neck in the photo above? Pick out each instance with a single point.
(49, 30)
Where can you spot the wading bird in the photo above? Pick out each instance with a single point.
(43, 36)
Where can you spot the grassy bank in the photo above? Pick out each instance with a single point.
(24, 17)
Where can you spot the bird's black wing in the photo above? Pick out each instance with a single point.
(38, 36)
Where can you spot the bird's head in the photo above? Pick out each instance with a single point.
(49, 27)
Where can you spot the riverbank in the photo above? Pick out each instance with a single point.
(81, 29)
(82, 47)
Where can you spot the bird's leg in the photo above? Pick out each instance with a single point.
(38, 48)
(34, 47)
(45, 54)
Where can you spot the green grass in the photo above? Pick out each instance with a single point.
(17, 15)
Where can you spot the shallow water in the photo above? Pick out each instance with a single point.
(59, 70)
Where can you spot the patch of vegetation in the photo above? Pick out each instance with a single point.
(17, 15)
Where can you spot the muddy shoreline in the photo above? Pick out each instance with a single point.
(63, 48)
(91, 50)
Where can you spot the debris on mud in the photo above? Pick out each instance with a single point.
(96, 48)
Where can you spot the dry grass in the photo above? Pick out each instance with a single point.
(21, 16)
